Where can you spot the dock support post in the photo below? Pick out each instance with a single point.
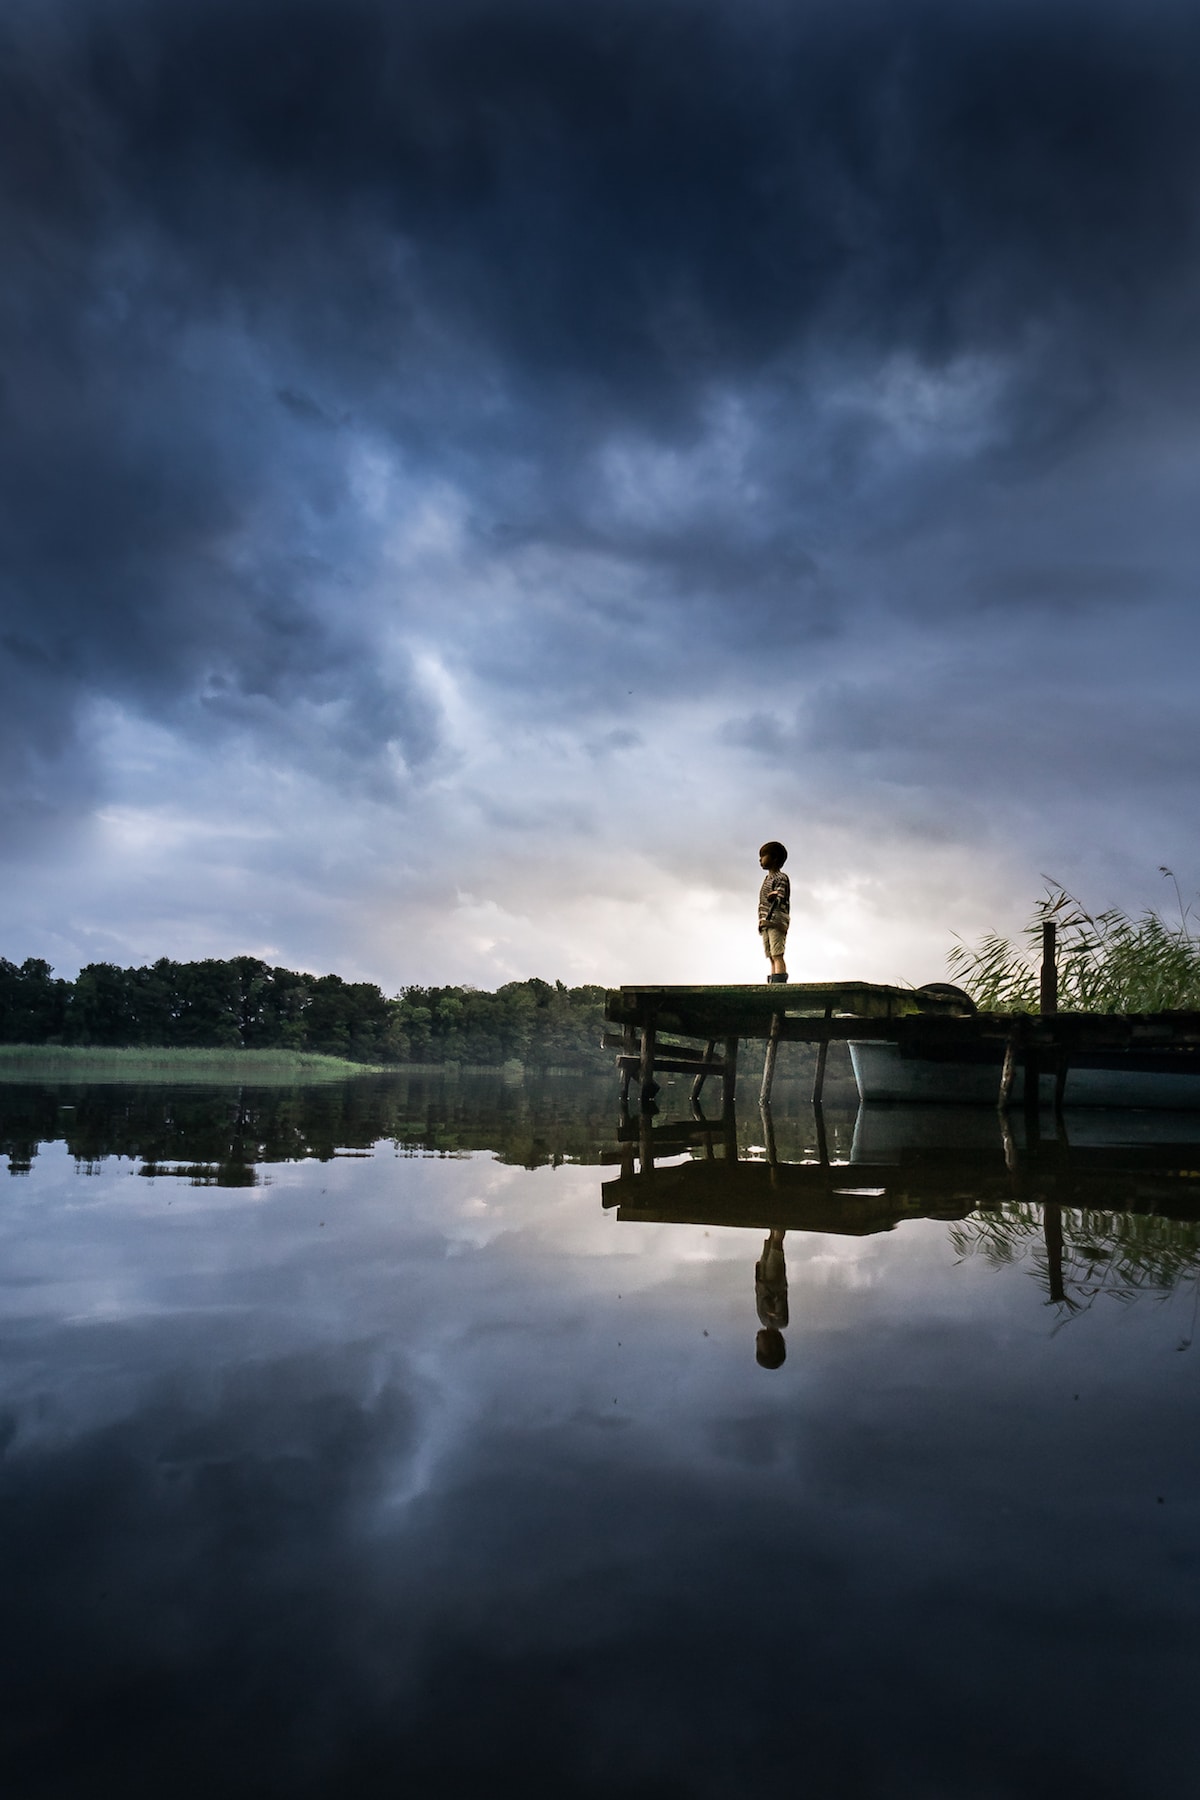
(768, 1125)
(1006, 1073)
(1048, 985)
(1033, 1084)
(822, 1058)
(1010, 1147)
(646, 1143)
(649, 1085)
(768, 1075)
(629, 1048)
(819, 1075)
(1048, 1005)
(729, 1080)
(709, 1053)
(822, 1139)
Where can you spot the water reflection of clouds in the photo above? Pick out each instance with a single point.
(402, 1514)
(519, 1324)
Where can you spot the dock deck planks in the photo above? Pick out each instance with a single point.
(826, 1012)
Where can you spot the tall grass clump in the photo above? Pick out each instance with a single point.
(1108, 962)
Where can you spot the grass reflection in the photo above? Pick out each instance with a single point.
(1079, 1254)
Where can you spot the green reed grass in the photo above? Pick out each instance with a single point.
(1108, 962)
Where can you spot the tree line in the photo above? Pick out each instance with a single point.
(223, 1137)
(243, 1003)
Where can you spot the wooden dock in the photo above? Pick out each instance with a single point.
(924, 1022)
(797, 1012)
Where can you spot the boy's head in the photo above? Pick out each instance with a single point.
(772, 856)
(769, 1348)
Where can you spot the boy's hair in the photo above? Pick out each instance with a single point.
(775, 853)
(770, 1348)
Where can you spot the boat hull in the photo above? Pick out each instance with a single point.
(1115, 1078)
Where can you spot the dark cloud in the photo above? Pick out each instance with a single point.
(342, 345)
(1003, 724)
(629, 196)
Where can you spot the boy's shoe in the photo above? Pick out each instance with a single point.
(776, 977)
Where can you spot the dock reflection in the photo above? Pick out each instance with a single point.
(1107, 1204)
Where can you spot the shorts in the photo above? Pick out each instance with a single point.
(774, 939)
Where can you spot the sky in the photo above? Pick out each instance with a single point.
(472, 470)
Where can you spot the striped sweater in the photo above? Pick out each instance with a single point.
(774, 899)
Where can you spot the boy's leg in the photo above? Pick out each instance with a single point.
(774, 943)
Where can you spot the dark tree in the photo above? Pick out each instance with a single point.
(245, 1003)
(33, 1004)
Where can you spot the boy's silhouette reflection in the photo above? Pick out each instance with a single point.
(770, 1297)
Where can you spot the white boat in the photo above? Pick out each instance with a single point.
(971, 1076)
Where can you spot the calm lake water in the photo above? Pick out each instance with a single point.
(407, 1438)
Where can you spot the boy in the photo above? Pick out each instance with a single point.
(774, 908)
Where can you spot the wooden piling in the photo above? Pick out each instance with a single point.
(1048, 985)
(817, 1094)
(729, 1075)
(768, 1125)
(819, 1073)
(649, 1085)
(768, 1075)
(709, 1053)
(629, 1044)
(1007, 1070)
(822, 1058)
(1010, 1146)
(645, 1142)
(822, 1140)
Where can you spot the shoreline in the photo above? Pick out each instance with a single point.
(20, 1062)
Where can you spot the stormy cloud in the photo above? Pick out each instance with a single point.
(469, 472)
